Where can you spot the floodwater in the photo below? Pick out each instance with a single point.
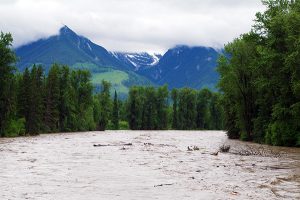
(145, 165)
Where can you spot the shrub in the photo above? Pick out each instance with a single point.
(124, 125)
(244, 136)
(281, 133)
(15, 128)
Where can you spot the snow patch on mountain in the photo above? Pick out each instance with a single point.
(138, 60)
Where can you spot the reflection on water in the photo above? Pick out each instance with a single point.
(145, 165)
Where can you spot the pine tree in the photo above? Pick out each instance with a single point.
(149, 114)
(34, 122)
(162, 107)
(67, 112)
(174, 95)
(105, 105)
(52, 100)
(115, 114)
(7, 58)
(133, 108)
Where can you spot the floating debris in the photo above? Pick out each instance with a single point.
(166, 184)
(224, 148)
(193, 148)
(112, 145)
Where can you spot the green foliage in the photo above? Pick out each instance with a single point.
(115, 112)
(124, 125)
(203, 109)
(298, 140)
(244, 136)
(148, 108)
(174, 96)
(62, 100)
(133, 108)
(105, 105)
(35, 108)
(187, 109)
(260, 77)
(162, 95)
(52, 100)
(7, 86)
(15, 128)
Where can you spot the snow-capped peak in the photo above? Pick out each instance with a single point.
(138, 60)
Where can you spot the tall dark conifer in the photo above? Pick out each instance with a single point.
(162, 108)
(133, 108)
(174, 95)
(115, 114)
(34, 123)
(105, 105)
(52, 100)
(7, 58)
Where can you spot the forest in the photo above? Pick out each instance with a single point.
(63, 100)
(258, 98)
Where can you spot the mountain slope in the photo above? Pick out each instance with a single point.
(137, 61)
(181, 66)
(66, 48)
(185, 66)
(79, 53)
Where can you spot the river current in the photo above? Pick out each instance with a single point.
(145, 165)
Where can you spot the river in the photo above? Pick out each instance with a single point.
(145, 165)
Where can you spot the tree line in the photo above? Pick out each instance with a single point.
(260, 78)
(62, 100)
(149, 108)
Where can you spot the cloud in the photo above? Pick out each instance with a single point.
(131, 25)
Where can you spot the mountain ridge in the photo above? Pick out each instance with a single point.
(180, 66)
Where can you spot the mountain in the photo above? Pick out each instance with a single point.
(79, 52)
(137, 61)
(68, 48)
(185, 66)
(181, 66)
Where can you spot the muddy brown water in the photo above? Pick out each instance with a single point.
(144, 165)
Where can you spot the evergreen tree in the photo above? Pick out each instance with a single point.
(105, 105)
(115, 114)
(162, 107)
(67, 113)
(149, 115)
(133, 108)
(24, 95)
(174, 95)
(52, 100)
(7, 101)
(34, 122)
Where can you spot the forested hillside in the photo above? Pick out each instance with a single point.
(62, 100)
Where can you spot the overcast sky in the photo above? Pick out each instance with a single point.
(131, 25)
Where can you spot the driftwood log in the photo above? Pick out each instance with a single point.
(112, 145)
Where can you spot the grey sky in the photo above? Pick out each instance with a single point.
(131, 25)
